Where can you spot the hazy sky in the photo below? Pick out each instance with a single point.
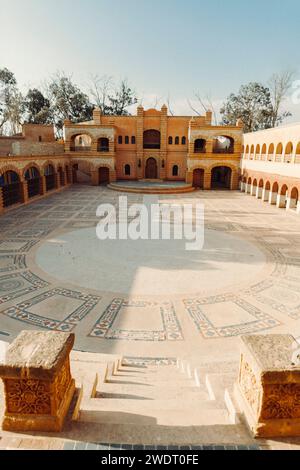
(163, 47)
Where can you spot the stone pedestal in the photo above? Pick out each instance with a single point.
(38, 385)
(268, 388)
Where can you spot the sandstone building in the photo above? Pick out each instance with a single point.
(152, 145)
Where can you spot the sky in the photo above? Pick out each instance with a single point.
(165, 48)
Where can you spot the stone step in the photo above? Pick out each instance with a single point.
(154, 434)
(217, 384)
(173, 412)
(108, 390)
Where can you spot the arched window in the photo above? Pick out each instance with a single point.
(80, 140)
(175, 170)
(183, 141)
(133, 140)
(103, 145)
(170, 140)
(127, 170)
(224, 144)
(176, 140)
(152, 139)
(120, 140)
(200, 146)
(126, 140)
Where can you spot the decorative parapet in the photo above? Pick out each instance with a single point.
(268, 388)
(38, 385)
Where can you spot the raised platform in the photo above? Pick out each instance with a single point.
(151, 187)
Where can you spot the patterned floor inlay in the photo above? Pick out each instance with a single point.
(16, 245)
(12, 263)
(121, 320)
(283, 297)
(15, 285)
(149, 361)
(56, 309)
(240, 318)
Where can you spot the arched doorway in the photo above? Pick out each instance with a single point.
(151, 169)
(11, 188)
(198, 178)
(61, 176)
(221, 177)
(103, 175)
(32, 176)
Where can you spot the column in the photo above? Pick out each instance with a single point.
(24, 191)
(281, 201)
(95, 177)
(207, 180)
(57, 180)
(253, 190)
(43, 186)
(1, 201)
(266, 195)
(259, 192)
(234, 185)
(272, 198)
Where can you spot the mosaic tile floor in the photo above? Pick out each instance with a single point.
(247, 280)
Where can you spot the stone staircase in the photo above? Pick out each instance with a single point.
(153, 404)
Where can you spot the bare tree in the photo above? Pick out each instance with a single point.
(206, 104)
(100, 89)
(279, 84)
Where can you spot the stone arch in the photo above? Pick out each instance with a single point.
(221, 177)
(271, 151)
(284, 190)
(257, 152)
(151, 139)
(294, 198)
(267, 186)
(288, 152)
(10, 167)
(84, 145)
(10, 182)
(261, 183)
(32, 175)
(279, 152)
(223, 144)
(32, 165)
(264, 152)
(46, 164)
(252, 152)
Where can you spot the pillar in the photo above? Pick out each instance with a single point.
(207, 180)
(24, 191)
(242, 186)
(1, 201)
(43, 185)
(298, 207)
(234, 185)
(253, 190)
(281, 201)
(272, 198)
(38, 387)
(291, 203)
(95, 177)
(266, 195)
(189, 177)
(57, 180)
(259, 192)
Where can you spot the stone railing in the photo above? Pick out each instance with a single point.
(38, 385)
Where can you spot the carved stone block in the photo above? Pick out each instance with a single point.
(268, 388)
(38, 385)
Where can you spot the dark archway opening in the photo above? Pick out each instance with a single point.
(221, 177)
(11, 188)
(50, 178)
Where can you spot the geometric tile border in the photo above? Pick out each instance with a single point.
(279, 304)
(104, 326)
(17, 262)
(20, 312)
(149, 361)
(23, 249)
(19, 284)
(261, 321)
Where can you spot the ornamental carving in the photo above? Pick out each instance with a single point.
(28, 397)
(281, 401)
(61, 383)
(249, 386)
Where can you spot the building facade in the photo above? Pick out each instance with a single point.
(153, 145)
(270, 166)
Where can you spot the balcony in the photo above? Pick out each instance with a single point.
(104, 149)
(223, 151)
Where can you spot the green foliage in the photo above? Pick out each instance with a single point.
(37, 108)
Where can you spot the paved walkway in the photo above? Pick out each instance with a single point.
(152, 298)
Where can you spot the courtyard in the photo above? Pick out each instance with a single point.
(150, 299)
